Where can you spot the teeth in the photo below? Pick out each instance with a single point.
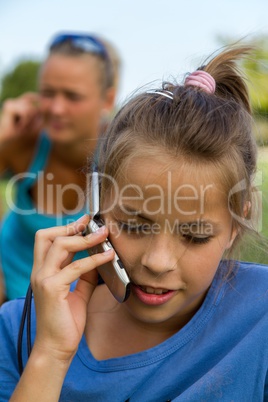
(150, 290)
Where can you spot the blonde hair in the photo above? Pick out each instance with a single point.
(109, 69)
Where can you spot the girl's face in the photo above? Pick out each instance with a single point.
(170, 225)
(71, 98)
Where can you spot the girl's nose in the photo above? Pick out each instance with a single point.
(161, 254)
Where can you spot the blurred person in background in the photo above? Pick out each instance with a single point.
(45, 139)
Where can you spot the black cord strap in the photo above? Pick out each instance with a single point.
(26, 316)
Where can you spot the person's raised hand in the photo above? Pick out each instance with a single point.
(20, 116)
(61, 314)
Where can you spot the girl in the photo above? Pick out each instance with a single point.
(176, 169)
(45, 139)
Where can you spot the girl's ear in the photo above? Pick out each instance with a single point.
(247, 208)
(234, 233)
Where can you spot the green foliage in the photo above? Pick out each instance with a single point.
(261, 130)
(257, 72)
(255, 250)
(256, 69)
(23, 78)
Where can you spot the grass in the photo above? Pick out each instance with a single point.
(264, 170)
(252, 251)
(261, 131)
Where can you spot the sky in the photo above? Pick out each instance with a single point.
(156, 39)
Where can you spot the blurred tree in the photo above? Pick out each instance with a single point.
(22, 78)
(257, 72)
(256, 69)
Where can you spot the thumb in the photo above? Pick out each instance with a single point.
(86, 284)
(35, 125)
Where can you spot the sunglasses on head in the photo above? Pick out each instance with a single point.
(86, 43)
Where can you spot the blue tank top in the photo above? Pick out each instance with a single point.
(21, 223)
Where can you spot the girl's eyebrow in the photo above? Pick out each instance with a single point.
(127, 209)
(200, 222)
(199, 225)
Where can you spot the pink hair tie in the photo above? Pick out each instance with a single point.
(201, 79)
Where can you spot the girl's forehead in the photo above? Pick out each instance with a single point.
(164, 169)
(154, 184)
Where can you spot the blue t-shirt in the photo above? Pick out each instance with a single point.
(221, 354)
(21, 223)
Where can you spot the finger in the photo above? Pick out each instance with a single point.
(25, 113)
(33, 97)
(45, 237)
(63, 248)
(81, 267)
(63, 279)
(37, 123)
(86, 284)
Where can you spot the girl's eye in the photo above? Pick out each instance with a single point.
(196, 240)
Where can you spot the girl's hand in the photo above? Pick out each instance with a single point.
(20, 116)
(61, 314)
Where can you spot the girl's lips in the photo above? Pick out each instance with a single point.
(152, 299)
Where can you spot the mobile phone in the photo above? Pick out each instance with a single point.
(113, 272)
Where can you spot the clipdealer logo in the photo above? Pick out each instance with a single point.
(168, 199)
(46, 193)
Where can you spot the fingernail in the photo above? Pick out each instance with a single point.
(101, 230)
(108, 252)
